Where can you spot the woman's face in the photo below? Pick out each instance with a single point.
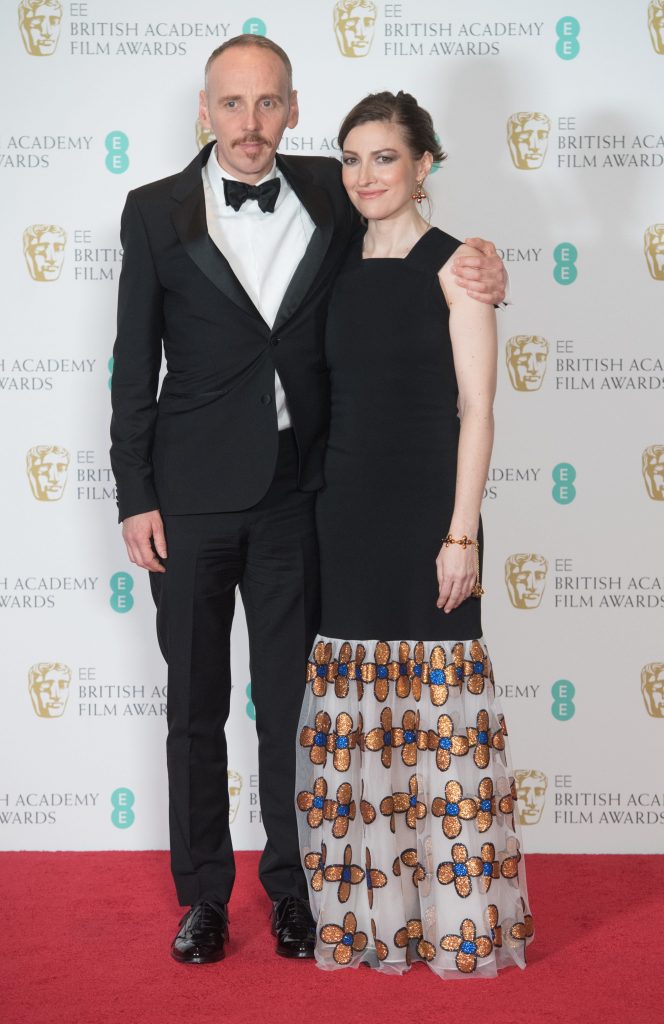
(379, 172)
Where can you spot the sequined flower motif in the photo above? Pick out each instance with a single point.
(375, 879)
(454, 809)
(381, 949)
(418, 670)
(345, 938)
(413, 930)
(445, 743)
(468, 946)
(317, 738)
(340, 670)
(460, 870)
(318, 670)
(458, 669)
(509, 859)
(438, 688)
(480, 668)
(356, 668)
(381, 738)
(341, 811)
(406, 682)
(315, 862)
(341, 742)
(367, 810)
(505, 798)
(404, 803)
(377, 673)
(486, 804)
(479, 737)
(491, 921)
(521, 932)
(409, 859)
(315, 802)
(498, 738)
(346, 874)
(409, 737)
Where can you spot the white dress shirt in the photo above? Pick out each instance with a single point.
(263, 249)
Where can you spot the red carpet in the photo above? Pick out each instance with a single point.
(85, 940)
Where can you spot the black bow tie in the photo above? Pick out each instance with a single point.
(236, 192)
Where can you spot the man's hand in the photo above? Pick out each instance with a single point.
(484, 277)
(143, 535)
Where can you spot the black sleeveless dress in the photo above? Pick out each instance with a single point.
(405, 796)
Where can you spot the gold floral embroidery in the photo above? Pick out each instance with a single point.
(340, 671)
(346, 874)
(345, 938)
(468, 946)
(341, 811)
(509, 858)
(409, 859)
(491, 922)
(315, 862)
(486, 804)
(480, 737)
(377, 673)
(435, 676)
(445, 743)
(454, 809)
(480, 668)
(315, 803)
(460, 870)
(381, 949)
(521, 931)
(404, 803)
(413, 930)
(381, 738)
(375, 879)
(342, 741)
(410, 738)
(318, 670)
(406, 681)
(317, 738)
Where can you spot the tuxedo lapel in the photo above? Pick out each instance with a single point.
(190, 222)
(317, 204)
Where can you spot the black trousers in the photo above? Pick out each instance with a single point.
(270, 553)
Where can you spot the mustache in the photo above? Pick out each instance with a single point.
(250, 138)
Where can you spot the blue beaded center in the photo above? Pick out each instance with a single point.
(482, 737)
(342, 670)
(321, 670)
(345, 874)
(403, 668)
(343, 810)
(320, 739)
(460, 870)
(417, 670)
(445, 743)
(409, 736)
(387, 739)
(485, 805)
(437, 676)
(381, 671)
(458, 671)
(342, 742)
(487, 868)
(358, 672)
(347, 940)
(468, 947)
(452, 810)
(478, 667)
(318, 802)
(369, 882)
(413, 801)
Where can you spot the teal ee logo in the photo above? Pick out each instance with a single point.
(563, 490)
(255, 27)
(110, 370)
(122, 815)
(117, 145)
(567, 46)
(121, 599)
(251, 710)
(565, 256)
(563, 692)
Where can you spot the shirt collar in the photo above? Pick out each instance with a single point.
(217, 173)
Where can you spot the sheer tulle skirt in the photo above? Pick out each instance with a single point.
(405, 805)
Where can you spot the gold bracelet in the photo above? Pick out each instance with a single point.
(466, 542)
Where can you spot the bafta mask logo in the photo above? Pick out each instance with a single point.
(47, 466)
(653, 246)
(531, 794)
(526, 356)
(39, 24)
(44, 251)
(652, 688)
(656, 24)
(203, 134)
(525, 576)
(652, 465)
(234, 791)
(528, 138)
(48, 682)
(354, 26)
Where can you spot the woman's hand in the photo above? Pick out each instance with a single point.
(456, 571)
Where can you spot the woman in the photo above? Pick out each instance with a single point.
(405, 798)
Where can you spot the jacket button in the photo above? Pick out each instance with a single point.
(266, 399)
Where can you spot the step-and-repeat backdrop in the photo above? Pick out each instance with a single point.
(552, 118)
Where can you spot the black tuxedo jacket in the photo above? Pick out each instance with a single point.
(209, 443)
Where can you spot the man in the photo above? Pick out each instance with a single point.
(231, 262)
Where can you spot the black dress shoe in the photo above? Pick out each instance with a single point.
(202, 936)
(294, 927)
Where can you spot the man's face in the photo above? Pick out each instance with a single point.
(654, 249)
(528, 143)
(49, 691)
(45, 255)
(355, 30)
(247, 106)
(656, 25)
(526, 583)
(654, 472)
(527, 365)
(40, 29)
(531, 791)
(48, 475)
(652, 686)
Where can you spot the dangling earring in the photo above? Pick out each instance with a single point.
(420, 194)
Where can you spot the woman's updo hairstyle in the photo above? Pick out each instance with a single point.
(403, 110)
